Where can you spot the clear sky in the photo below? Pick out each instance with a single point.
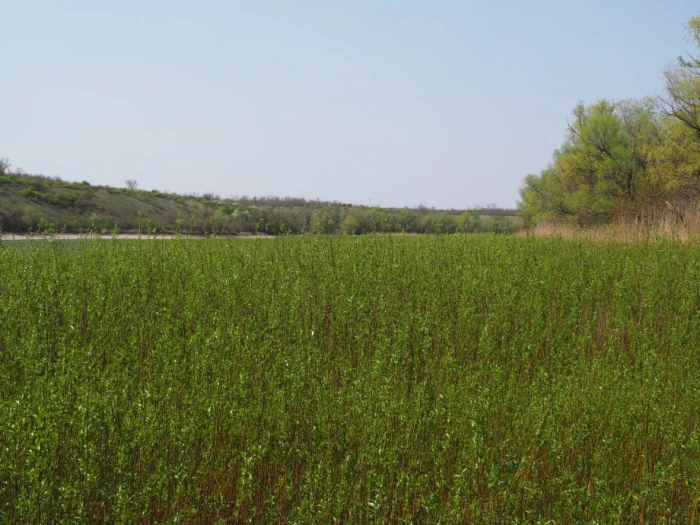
(394, 102)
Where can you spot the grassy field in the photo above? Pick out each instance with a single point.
(446, 379)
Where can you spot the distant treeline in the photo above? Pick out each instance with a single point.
(631, 158)
(30, 202)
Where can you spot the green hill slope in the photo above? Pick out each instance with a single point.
(33, 202)
(28, 202)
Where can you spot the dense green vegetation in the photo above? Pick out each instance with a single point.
(629, 158)
(31, 202)
(444, 379)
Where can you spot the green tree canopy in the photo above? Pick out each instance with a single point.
(625, 157)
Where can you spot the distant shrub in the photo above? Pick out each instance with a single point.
(7, 180)
(407, 221)
(323, 221)
(62, 200)
(445, 224)
(12, 219)
(469, 222)
(32, 195)
(497, 226)
(350, 225)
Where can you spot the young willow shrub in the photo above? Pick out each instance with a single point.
(451, 379)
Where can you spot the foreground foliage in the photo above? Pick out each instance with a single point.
(372, 379)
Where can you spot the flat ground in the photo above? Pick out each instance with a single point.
(444, 379)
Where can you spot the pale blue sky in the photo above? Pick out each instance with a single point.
(441, 103)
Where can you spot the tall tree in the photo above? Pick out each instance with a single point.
(630, 156)
(601, 169)
(682, 99)
(675, 164)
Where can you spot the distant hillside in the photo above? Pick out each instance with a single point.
(33, 202)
